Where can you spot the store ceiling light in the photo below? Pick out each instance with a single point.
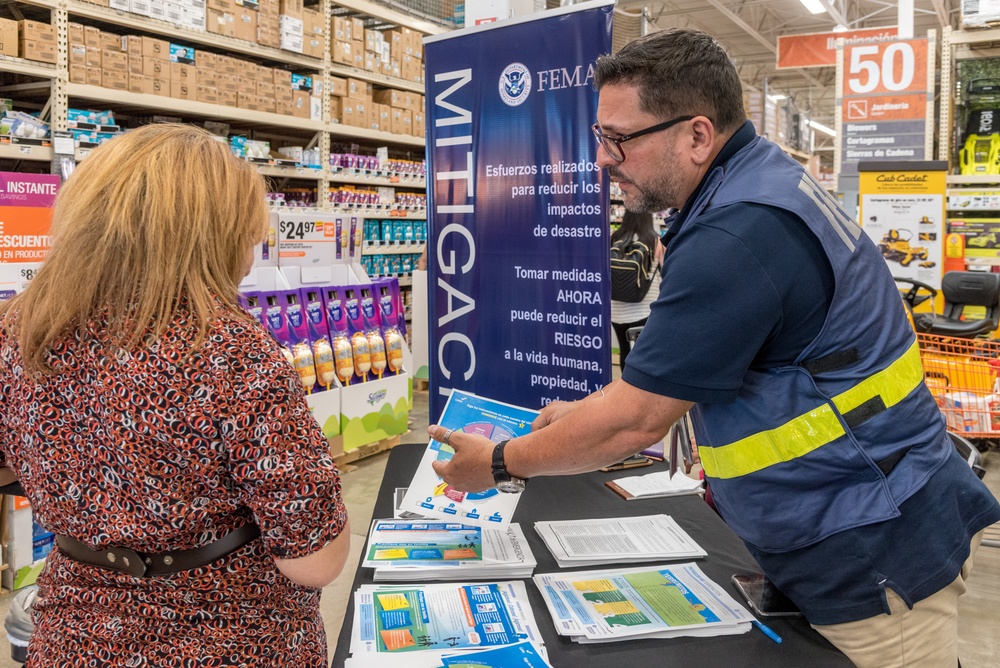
(822, 128)
(776, 97)
(814, 6)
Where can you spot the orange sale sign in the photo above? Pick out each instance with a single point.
(886, 67)
(25, 215)
(820, 49)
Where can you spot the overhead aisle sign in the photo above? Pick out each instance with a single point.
(518, 248)
(819, 49)
(885, 106)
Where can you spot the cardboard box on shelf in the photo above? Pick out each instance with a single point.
(283, 100)
(139, 83)
(358, 30)
(77, 73)
(44, 52)
(338, 86)
(390, 97)
(180, 53)
(226, 98)
(134, 63)
(396, 122)
(155, 48)
(183, 73)
(132, 44)
(282, 78)
(156, 67)
(300, 104)
(206, 94)
(335, 109)
(77, 54)
(358, 89)
(245, 24)
(92, 37)
(220, 5)
(227, 65)
(347, 112)
(36, 31)
(184, 90)
(265, 89)
(338, 29)
(93, 56)
(76, 32)
(290, 8)
(114, 61)
(407, 122)
(114, 79)
(343, 52)
(269, 37)
(111, 41)
(93, 76)
(220, 23)
(161, 86)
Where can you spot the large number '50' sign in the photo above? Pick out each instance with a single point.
(888, 67)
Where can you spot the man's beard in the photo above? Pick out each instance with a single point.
(659, 196)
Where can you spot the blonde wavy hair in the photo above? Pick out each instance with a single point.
(164, 213)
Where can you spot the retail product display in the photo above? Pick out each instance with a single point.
(326, 332)
(426, 550)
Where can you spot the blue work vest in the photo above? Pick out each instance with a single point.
(842, 437)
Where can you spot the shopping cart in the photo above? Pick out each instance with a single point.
(962, 375)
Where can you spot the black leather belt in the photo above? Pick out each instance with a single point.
(147, 565)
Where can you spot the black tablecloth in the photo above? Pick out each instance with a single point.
(585, 496)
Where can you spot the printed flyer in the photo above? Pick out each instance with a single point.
(430, 496)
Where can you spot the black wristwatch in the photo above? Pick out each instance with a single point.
(503, 480)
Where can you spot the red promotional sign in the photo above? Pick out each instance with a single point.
(888, 67)
(820, 49)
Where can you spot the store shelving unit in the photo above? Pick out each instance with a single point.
(56, 92)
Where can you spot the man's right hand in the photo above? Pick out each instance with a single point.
(557, 410)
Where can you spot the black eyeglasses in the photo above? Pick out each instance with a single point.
(612, 144)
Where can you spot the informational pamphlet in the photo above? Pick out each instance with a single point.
(436, 550)
(430, 496)
(521, 655)
(655, 602)
(617, 540)
(414, 618)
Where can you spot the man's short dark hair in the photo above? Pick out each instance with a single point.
(678, 72)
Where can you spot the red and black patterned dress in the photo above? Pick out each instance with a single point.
(155, 452)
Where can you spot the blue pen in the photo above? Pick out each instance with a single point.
(767, 631)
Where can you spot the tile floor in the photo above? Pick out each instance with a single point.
(979, 642)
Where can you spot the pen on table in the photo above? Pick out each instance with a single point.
(766, 630)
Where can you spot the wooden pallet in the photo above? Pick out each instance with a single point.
(420, 385)
(351, 456)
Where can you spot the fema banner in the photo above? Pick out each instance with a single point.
(518, 248)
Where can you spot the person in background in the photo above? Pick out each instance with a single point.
(156, 428)
(778, 325)
(625, 315)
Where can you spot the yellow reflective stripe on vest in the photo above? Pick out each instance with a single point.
(803, 434)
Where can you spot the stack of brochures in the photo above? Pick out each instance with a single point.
(424, 550)
(621, 540)
(654, 485)
(521, 655)
(664, 601)
(422, 623)
(430, 496)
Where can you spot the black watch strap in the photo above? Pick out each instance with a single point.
(500, 473)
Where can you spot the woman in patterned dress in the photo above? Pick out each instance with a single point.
(142, 408)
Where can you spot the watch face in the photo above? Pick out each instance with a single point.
(512, 486)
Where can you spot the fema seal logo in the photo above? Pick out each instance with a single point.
(515, 84)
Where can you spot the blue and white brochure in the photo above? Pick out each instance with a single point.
(431, 496)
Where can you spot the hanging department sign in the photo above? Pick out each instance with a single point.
(819, 49)
(886, 102)
(518, 243)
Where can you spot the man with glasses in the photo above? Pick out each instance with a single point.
(780, 328)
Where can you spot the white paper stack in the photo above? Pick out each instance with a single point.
(664, 601)
(423, 622)
(654, 485)
(425, 550)
(617, 540)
